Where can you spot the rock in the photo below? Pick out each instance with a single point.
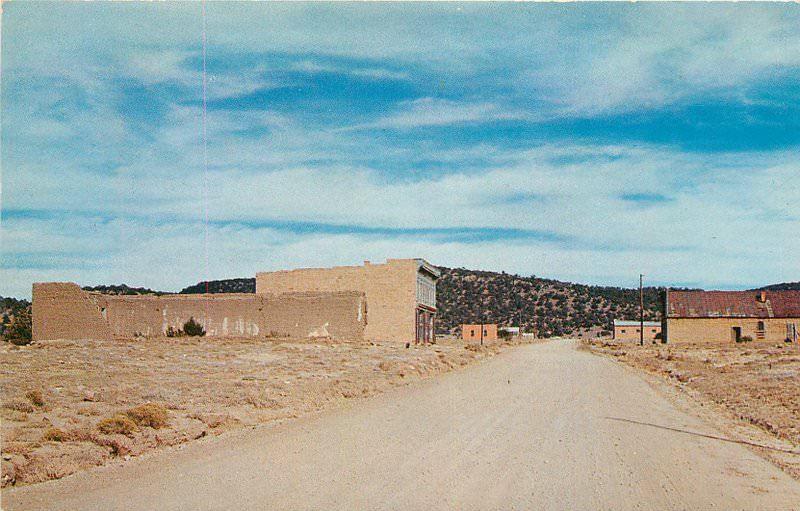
(89, 395)
(9, 476)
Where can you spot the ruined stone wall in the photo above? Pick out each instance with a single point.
(390, 291)
(339, 315)
(681, 330)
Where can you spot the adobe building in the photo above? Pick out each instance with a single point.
(484, 332)
(631, 330)
(728, 316)
(400, 294)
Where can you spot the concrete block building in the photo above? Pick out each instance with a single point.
(631, 330)
(728, 316)
(400, 294)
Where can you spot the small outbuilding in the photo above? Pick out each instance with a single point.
(483, 332)
(631, 330)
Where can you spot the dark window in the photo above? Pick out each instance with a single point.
(485, 333)
(761, 325)
(623, 330)
(472, 333)
(653, 330)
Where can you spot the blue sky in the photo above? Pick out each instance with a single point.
(584, 142)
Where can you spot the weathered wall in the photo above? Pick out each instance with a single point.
(719, 329)
(631, 333)
(473, 332)
(64, 311)
(390, 290)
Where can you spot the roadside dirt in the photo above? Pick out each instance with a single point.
(752, 386)
(541, 426)
(68, 406)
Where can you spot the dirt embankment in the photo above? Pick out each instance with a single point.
(69, 405)
(756, 383)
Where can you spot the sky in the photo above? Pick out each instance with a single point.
(583, 142)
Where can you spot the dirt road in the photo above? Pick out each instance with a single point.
(538, 427)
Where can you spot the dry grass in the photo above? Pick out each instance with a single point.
(118, 425)
(72, 405)
(758, 383)
(151, 415)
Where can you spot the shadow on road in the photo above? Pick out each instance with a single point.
(714, 437)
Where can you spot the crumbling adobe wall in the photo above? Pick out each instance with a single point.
(338, 315)
(62, 310)
(390, 290)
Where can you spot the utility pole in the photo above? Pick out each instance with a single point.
(481, 331)
(641, 311)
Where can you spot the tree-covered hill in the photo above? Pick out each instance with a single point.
(543, 306)
(247, 285)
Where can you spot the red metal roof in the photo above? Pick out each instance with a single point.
(740, 304)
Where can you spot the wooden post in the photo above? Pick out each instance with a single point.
(641, 312)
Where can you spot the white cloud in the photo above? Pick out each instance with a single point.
(442, 112)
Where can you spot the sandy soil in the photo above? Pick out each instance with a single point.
(58, 397)
(756, 385)
(537, 427)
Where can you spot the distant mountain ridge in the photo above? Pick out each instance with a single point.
(783, 286)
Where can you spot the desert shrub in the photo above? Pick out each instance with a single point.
(193, 328)
(744, 338)
(117, 425)
(19, 406)
(19, 331)
(35, 397)
(150, 415)
(172, 332)
(55, 435)
(118, 448)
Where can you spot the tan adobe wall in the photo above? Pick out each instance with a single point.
(719, 329)
(390, 291)
(62, 310)
(55, 316)
(631, 333)
(473, 332)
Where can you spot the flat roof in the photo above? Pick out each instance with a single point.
(619, 322)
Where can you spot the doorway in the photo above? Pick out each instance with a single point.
(736, 334)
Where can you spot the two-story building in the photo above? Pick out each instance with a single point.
(400, 294)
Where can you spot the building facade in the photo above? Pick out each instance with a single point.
(400, 294)
(631, 330)
(484, 332)
(731, 316)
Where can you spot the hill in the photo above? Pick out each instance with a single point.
(123, 289)
(9, 308)
(544, 306)
(783, 286)
(222, 286)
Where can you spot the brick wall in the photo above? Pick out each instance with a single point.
(64, 311)
(719, 329)
(390, 291)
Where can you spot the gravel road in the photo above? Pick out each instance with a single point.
(542, 426)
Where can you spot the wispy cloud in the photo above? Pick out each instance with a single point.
(442, 112)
